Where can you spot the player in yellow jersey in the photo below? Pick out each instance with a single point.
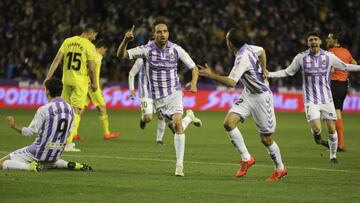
(96, 97)
(78, 56)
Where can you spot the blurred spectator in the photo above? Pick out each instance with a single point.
(31, 31)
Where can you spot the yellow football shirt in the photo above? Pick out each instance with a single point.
(77, 51)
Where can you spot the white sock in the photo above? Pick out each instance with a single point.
(15, 165)
(179, 142)
(238, 141)
(160, 131)
(186, 121)
(333, 144)
(61, 164)
(274, 152)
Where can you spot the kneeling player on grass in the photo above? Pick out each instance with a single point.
(52, 123)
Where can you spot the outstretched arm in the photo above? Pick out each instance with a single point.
(195, 77)
(336, 62)
(34, 126)
(59, 56)
(25, 131)
(129, 36)
(10, 121)
(206, 71)
(289, 71)
(278, 74)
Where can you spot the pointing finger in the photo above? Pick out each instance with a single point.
(200, 67)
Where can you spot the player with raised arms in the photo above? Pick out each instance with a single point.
(162, 58)
(315, 65)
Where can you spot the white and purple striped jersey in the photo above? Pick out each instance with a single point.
(143, 82)
(316, 72)
(52, 123)
(247, 69)
(161, 66)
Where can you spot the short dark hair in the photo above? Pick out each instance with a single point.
(337, 36)
(102, 43)
(91, 27)
(55, 86)
(160, 20)
(237, 37)
(313, 33)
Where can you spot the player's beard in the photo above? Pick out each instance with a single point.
(161, 43)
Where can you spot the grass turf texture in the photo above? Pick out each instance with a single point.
(133, 169)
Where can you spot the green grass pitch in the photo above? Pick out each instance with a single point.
(133, 169)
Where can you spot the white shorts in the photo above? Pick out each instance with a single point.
(22, 155)
(260, 106)
(320, 111)
(147, 106)
(170, 105)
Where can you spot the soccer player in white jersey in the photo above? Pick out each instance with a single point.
(52, 123)
(145, 99)
(315, 64)
(256, 100)
(162, 58)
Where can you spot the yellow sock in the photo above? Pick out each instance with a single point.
(77, 166)
(104, 120)
(74, 131)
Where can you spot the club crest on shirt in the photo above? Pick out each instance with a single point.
(171, 54)
(323, 61)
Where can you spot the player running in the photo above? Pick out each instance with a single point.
(162, 58)
(256, 100)
(316, 64)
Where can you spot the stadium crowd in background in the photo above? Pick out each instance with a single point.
(32, 31)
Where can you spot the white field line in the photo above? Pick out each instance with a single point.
(194, 162)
